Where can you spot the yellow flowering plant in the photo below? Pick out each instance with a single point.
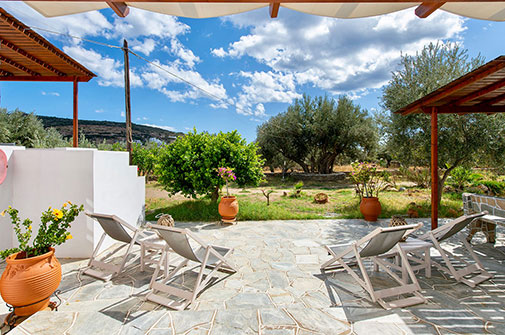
(52, 230)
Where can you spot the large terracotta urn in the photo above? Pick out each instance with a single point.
(228, 208)
(28, 283)
(371, 208)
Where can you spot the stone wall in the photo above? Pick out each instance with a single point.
(475, 203)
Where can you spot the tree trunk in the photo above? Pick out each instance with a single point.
(215, 194)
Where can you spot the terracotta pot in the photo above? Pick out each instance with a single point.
(370, 208)
(30, 281)
(228, 208)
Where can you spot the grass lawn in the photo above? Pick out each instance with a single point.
(342, 204)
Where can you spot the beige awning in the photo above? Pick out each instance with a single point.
(485, 10)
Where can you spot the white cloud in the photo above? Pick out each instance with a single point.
(338, 56)
(162, 127)
(263, 87)
(123, 114)
(159, 79)
(100, 111)
(109, 70)
(187, 56)
(145, 47)
(56, 94)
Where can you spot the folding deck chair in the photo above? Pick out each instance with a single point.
(376, 243)
(206, 255)
(114, 227)
(449, 229)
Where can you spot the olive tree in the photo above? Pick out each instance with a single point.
(463, 139)
(314, 132)
(189, 165)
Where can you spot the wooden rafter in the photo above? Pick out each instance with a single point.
(42, 42)
(44, 78)
(120, 8)
(426, 8)
(32, 58)
(481, 92)
(274, 9)
(494, 100)
(453, 109)
(18, 66)
(5, 73)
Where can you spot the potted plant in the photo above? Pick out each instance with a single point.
(228, 206)
(369, 183)
(33, 273)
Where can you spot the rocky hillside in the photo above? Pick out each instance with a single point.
(97, 131)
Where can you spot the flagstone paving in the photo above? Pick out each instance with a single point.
(278, 289)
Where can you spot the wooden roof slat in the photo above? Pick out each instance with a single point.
(18, 66)
(452, 109)
(32, 58)
(483, 91)
(494, 100)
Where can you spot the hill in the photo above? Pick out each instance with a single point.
(97, 131)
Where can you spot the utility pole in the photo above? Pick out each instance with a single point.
(129, 138)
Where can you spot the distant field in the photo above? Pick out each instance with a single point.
(342, 203)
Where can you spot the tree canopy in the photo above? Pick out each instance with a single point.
(27, 130)
(463, 139)
(314, 132)
(189, 165)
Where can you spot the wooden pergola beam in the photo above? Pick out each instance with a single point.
(27, 32)
(120, 8)
(483, 91)
(18, 66)
(427, 8)
(45, 78)
(19, 51)
(448, 91)
(461, 110)
(274, 9)
(434, 168)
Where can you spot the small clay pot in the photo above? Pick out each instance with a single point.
(28, 283)
(370, 208)
(228, 208)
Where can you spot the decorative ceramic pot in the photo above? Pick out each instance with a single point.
(28, 283)
(371, 208)
(228, 208)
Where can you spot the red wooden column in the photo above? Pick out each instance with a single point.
(76, 125)
(434, 168)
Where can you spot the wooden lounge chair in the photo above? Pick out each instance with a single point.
(470, 274)
(376, 243)
(206, 255)
(116, 228)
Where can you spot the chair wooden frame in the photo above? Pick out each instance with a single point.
(354, 254)
(212, 258)
(105, 271)
(449, 229)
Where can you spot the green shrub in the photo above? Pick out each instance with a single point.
(189, 165)
(497, 188)
(420, 176)
(145, 157)
(460, 177)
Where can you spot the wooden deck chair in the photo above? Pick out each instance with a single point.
(376, 243)
(475, 272)
(206, 255)
(114, 227)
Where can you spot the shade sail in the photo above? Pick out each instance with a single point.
(485, 10)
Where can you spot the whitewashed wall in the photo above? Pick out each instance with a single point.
(100, 180)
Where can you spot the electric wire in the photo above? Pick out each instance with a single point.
(163, 69)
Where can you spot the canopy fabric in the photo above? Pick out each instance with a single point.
(494, 11)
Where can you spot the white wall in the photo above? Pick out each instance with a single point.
(100, 180)
(6, 189)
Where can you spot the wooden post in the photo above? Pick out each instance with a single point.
(75, 139)
(434, 168)
(127, 101)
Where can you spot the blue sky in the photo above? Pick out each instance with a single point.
(253, 66)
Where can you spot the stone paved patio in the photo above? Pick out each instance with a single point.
(278, 289)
